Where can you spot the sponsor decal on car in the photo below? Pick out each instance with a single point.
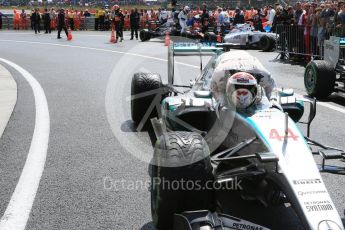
(306, 193)
(236, 37)
(318, 206)
(246, 226)
(307, 181)
(243, 80)
(274, 134)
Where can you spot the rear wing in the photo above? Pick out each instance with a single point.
(192, 49)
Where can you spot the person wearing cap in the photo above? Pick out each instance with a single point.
(61, 23)
(183, 16)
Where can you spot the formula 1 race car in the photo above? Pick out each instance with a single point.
(201, 143)
(171, 28)
(245, 36)
(155, 29)
(324, 77)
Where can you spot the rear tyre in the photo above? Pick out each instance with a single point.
(267, 43)
(141, 83)
(181, 163)
(144, 35)
(319, 79)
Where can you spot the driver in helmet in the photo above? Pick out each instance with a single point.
(240, 61)
(239, 90)
(242, 91)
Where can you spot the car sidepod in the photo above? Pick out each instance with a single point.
(299, 176)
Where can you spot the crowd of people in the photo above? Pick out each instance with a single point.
(48, 18)
(304, 24)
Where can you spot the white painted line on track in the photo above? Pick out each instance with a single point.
(18, 210)
(325, 104)
(330, 106)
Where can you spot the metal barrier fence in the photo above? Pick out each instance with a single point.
(303, 41)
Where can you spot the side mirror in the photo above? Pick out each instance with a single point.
(285, 92)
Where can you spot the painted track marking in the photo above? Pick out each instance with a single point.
(18, 210)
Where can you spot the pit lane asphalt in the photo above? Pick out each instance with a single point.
(83, 150)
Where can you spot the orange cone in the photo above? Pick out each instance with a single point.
(69, 37)
(219, 38)
(112, 37)
(167, 39)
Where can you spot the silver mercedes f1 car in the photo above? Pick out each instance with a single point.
(202, 148)
(245, 36)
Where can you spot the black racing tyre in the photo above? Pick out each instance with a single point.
(210, 37)
(181, 170)
(141, 83)
(144, 35)
(319, 79)
(267, 43)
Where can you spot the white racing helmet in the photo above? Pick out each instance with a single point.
(186, 8)
(241, 90)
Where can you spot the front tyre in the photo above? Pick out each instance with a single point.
(144, 35)
(319, 79)
(145, 90)
(181, 168)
